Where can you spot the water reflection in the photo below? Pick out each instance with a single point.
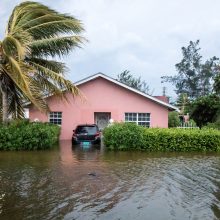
(91, 183)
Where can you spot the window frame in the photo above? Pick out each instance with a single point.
(57, 117)
(137, 121)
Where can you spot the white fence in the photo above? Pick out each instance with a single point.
(188, 125)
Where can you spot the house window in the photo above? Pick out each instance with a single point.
(142, 119)
(55, 118)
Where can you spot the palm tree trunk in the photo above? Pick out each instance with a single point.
(4, 92)
(4, 106)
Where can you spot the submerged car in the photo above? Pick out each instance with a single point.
(86, 134)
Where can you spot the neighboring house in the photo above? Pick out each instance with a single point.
(105, 99)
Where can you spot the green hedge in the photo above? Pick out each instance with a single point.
(129, 136)
(23, 135)
(214, 125)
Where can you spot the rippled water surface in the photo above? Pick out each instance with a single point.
(79, 183)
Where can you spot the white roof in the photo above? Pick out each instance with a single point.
(92, 77)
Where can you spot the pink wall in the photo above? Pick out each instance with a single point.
(101, 96)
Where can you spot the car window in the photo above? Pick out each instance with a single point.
(86, 129)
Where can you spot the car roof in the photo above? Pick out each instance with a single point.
(88, 125)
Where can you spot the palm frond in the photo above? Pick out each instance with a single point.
(12, 47)
(55, 46)
(44, 82)
(18, 74)
(20, 12)
(24, 38)
(56, 78)
(41, 21)
(48, 87)
(53, 65)
(55, 28)
(32, 19)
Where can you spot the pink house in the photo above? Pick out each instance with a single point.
(105, 99)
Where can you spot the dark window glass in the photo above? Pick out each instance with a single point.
(142, 119)
(55, 118)
(144, 124)
(86, 129)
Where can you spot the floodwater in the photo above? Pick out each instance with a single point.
(68, 183)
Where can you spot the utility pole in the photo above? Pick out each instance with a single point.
(164, 91)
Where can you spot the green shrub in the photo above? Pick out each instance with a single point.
(215, 125)
(205, 109)
(121, 135)
(23, 135)
(127, 136)
(173, 120)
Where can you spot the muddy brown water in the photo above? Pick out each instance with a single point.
(90, 183)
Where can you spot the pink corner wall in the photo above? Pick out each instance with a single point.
(101, 96)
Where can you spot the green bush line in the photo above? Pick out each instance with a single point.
(129, 136)
(23, 135)
(214, 125)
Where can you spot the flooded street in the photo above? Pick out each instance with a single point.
(76, 183)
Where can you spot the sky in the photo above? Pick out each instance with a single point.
(142, 36)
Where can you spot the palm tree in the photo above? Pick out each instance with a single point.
(34, 37)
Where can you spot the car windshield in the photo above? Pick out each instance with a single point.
(86, 129)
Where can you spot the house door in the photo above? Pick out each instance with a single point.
(102, 119)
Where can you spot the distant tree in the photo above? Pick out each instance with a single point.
(137, 83)
(183, 103)
(173, 120)
(205, 109)
(216, 86)
(194, 77)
